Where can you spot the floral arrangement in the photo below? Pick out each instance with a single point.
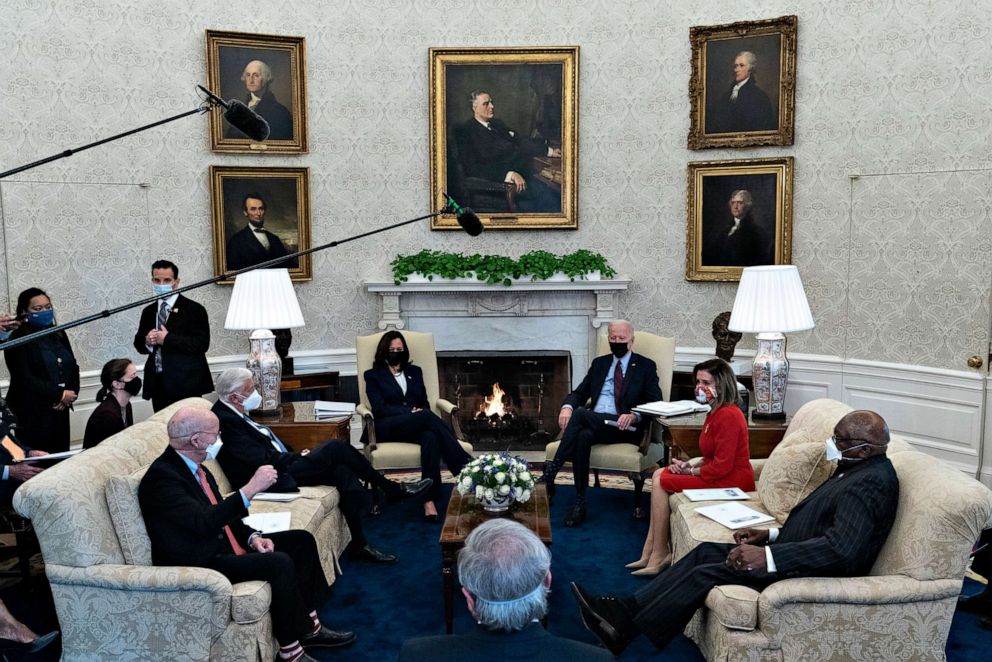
(496, 477)
(495, 269)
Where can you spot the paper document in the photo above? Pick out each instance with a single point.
(716, 494)
(51, 457)
(269, 522)
(329, 408)
(734, 515)
(614, 424)
(676, 408)
(281, 497)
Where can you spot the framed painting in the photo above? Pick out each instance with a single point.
(504, 130)
(739, 215)
(260, 214)
(268, 74)
(742, 92)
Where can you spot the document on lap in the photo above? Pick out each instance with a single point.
(50, 459)
(269, 522)
(676, 408)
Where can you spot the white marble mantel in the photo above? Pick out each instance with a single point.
(526, 315)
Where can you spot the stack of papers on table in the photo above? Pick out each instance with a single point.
(325, 408)
(715, 494)
(734, 515)
(676, 408)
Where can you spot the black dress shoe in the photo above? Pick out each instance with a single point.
(325, 638)
(11, 646)
(980, 602)
(431, 519)
(405, 491)
(612, 630)
(577, 515)
(372, 555)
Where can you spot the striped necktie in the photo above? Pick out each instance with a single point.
(163, 315)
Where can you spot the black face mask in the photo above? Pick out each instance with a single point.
(394, 358)
(619, 349)
(133, 387)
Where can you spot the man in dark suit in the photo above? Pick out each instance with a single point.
(190, 524)
(505, 572)
(837, 531)
(616, 383)
(249, 445)
(745, 106)
(11, 449)
(740, 240)
(981, 563)
(254, 244)
(257, 77)
(489, 149)
(175, 334)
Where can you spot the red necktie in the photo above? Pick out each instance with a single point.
(617, 386)
(202, 477)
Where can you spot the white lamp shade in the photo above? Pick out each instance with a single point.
(263, 299)
(771, 299)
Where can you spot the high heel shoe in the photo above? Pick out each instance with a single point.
(638, 564)
(652, 570)
(10, 646)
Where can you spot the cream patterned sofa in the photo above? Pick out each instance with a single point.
(902, 611)
(112, 603)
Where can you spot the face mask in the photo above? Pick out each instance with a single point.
(253, 401)
(133, 387)
(161, 289)
(394, 358)
(705, 395)
(833, 453)
(213, 449)
(42, 318)
(619, 349)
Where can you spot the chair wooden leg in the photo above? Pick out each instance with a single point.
(595, 472)
(638, 479)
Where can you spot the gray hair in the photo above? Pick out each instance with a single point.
(752, 60)
(231, 381)
(504, 566)
(745, 194)
(264, 69)
(185, 423)
(619, 323)
(475, 94)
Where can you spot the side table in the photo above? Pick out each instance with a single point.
(681, 435)
(297, 426)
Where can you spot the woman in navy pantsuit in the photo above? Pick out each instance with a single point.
(398, 397)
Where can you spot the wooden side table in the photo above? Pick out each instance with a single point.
(681, 435)
(296, 426)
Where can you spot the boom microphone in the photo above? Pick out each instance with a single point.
(241, 117)
(466, 217)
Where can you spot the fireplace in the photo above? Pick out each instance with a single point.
(506, 400)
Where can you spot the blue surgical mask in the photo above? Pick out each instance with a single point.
(213, 449)
(42, 318)
(161, 289)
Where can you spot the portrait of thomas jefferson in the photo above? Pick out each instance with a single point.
(738, 228)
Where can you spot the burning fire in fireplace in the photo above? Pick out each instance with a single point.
(493, 407)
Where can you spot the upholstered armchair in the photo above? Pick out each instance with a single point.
(634, 460)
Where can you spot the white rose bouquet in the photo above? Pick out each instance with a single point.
(496, 476)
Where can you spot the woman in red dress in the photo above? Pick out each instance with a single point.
(726, 461)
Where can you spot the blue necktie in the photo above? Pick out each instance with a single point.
(281, 447)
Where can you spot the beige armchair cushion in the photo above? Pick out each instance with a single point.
(617, 457)
(250, 601)
(790, 474)
(125, 512)
(736, 607)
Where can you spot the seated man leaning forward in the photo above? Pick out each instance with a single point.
(249, 445)
(505, 572)
(191, 524)
(837, 531)
(616, 383)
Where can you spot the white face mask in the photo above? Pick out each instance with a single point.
(213, 449)
(253, 401)
(833, 453)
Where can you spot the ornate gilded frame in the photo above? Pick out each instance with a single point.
(564, 176)
(227, 54)
(702, 38)
(736, 174)
(283, 189)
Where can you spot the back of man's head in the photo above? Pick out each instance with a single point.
(505, 567)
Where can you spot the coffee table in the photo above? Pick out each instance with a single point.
(463, 515)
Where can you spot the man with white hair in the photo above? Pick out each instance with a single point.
(257, 77)
(250, 445)
(615, 384)
(745, 106)
(505, 573)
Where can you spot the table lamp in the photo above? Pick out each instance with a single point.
(262, 300)
(770, 302)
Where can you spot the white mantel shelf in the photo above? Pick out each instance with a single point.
(442, 285)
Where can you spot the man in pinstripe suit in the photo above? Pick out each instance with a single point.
(837, 531)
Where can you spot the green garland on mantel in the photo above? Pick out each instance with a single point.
(495, 269)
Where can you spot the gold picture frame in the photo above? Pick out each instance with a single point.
(518, 170)
(284, 194)
(742, 92)
(268, 71)
(739, 213)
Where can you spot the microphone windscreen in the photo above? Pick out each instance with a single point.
(470, 222)
(247, 121)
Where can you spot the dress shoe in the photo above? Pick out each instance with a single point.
(980, 602)
(637, 565)
(432, 518)
(372, 555)
(605, 620)
(11, 646)
(652, 570)
(325, 638)
(577, 515)
(404, 491)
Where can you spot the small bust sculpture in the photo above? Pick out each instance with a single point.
(726, 340)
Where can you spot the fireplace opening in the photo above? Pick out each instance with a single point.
(506, 400)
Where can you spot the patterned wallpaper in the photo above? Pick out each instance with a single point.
(883, 87)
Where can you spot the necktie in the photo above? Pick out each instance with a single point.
(16, 452)
(617, 386)
(163, 315)
(276, 441)
(201, 475)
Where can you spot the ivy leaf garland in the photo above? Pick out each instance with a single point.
(496, 269)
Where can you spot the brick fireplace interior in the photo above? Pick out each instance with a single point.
(506, 400)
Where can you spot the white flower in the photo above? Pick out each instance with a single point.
(524, 475)
(504, 489)
(462, 489)
(488, 493)
(467, 483)
(500, 477)
(516, 493)
(479, 491)
(525, 496)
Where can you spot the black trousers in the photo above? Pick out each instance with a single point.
(436, 440)
(668, 603)
(585, 429)
(982, 563)
(293, 571)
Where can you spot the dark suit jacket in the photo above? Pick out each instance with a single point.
(531, 643)
(185, 372)
(246, 449)
(8, 428)
(387, 399)
(640, 384)
(277, 115)
(752, 111)
(106, 421)
(490, 154)
(243, 250)
(184, 528)
(751, 244)
(839, 529)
